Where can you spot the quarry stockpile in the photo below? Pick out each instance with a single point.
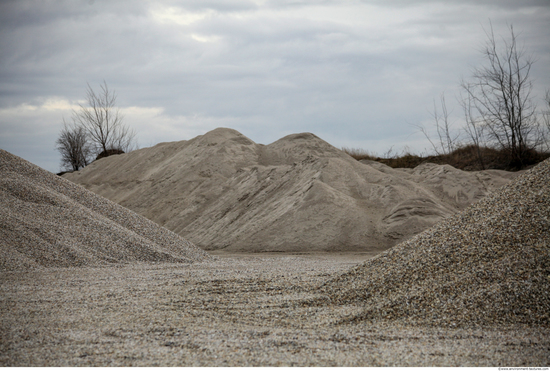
(486, 266)
(48, 221)
(223, 191)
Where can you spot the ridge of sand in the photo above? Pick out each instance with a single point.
(47, 221)
(486, 266)
(221, 190)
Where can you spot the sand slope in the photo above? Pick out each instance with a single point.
(489, 265)
(223, 191)
(47, 221)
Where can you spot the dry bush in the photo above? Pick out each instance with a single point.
(360, 154)
(109, 152)
(463, 158)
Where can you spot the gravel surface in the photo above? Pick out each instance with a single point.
(233, 311)
(85, 282)
(48, 221)
(487, 266)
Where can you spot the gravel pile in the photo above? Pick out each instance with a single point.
(224, 192)
(487, 266)
(47, 221)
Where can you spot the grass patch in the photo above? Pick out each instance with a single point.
(464, 158)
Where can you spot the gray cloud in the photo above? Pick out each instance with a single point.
(355, 73)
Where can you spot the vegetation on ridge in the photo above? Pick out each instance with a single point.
(463, 158)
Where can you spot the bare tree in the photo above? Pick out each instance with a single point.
(103, 121)
(97, 129)
(74, 147)
(499, 95)
(447, 139)
(545, 127)
(474, 128)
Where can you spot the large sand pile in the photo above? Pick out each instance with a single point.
(223, 191)
(489, 265)
(47, 221)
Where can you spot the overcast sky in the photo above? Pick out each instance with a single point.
(356, 73)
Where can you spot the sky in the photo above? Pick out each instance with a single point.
(358, 74)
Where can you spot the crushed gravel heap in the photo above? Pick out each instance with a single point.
(487, 266)
(298, 194)
(47, 221)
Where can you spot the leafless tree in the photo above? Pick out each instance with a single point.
(103, 121)
(545, 127)
(74, 147)
(474, 128)
(447, 139)
(499, 96)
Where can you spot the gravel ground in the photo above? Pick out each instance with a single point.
(471, 291)
(231, 311)
(487, 266)
(48, 221)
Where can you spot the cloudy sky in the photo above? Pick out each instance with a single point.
(358, 74)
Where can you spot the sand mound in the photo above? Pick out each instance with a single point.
(47, 221)
(223, 191)
(487, 265)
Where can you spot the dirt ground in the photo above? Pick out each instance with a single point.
(239, 310)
